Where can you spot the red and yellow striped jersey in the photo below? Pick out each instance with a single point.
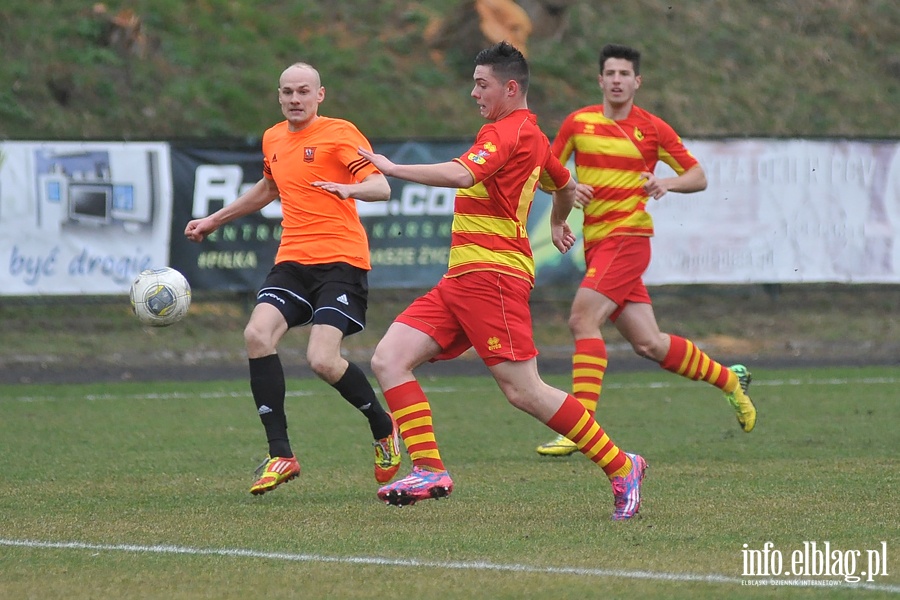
(318, 226)
(610, 156)
(509, 159)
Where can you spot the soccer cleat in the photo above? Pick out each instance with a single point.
(387, 455)
(561, 446)
(421, 484)
(275, 471)
(740, 401)
(627, 490)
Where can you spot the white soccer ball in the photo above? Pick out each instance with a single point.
(160, 297)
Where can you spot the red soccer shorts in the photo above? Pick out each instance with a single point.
(615, 267)
(483, 309)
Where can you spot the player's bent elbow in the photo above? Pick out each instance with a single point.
(699, 176)
(383, 194)
(378, 189)
(464, 181)
(458, 176)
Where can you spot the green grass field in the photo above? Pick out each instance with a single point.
(140, 491)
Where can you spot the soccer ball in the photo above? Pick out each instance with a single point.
(160, 297)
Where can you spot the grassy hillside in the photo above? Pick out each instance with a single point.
(209, 69)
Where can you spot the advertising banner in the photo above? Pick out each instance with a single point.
(82, 217)
(774, 211)
(237, 256)
(86, 217)
(783, 211)
(409, 235)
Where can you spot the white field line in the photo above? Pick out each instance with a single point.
(429, 564)
(489, 384)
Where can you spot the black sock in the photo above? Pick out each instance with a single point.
(267, 385)
(357, 390)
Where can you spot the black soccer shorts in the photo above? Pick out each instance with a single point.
(335, 294)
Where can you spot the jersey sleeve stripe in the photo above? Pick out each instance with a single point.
(355, 166)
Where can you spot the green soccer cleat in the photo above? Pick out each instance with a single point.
(561, 446)
(387, 455)
(740, 401)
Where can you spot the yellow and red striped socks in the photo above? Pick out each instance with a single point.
(687, 360)
(576, 423)
(411, 410)
(588, 367)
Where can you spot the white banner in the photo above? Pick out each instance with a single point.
(782, 211)
(82, 217)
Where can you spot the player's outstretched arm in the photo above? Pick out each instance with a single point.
(449, 174)
(373, 188)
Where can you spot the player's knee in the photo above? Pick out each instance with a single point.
(324, 365)
(641, 349)
(519, 401)
(324, 370)
(650, 348)
(517, 396)
(257, 341)
(579, 322)
(389, 363)
(380, 362)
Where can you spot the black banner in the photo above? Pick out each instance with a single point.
(409, 235)
(238, 255)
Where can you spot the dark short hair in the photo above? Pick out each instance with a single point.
(507, 62)
(624, 52)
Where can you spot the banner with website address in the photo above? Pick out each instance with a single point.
(85, 217)
(237, 256)
(409, 236)
(775, 211)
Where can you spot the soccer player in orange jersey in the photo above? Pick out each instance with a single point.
(616, 146)
(482, 301)
(320, 272)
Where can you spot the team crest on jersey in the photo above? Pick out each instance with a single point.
(638, 134)
(493, 343)
(480, 157)
(309, 154)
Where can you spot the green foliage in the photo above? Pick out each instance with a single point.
(169, 464)
(13, 111)
(711, 67)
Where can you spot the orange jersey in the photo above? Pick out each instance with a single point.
(318, 226)
(508, 160)
(610, 156)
